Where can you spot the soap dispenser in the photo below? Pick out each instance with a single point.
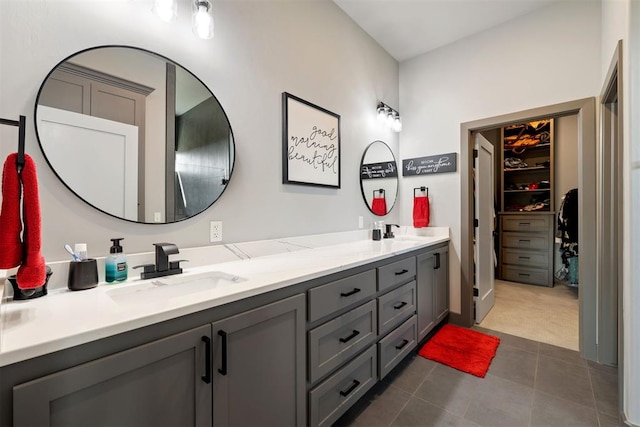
(116, 263)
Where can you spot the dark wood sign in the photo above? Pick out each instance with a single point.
(379, 170)
(431, 164)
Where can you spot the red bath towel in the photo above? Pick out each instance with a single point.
(379, 206)
(421, 212)
(10, 222)
(32, 272)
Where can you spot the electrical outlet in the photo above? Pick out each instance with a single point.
(157, 217)
(360, 222)
(215, 231)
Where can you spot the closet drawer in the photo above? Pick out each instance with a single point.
(525, 241)
(526, 275)
(395, 306)
(334, 342)
(394, 347)
(526, 223)
(525, 258)
(331, 398)
(396, 273)
(329, 298)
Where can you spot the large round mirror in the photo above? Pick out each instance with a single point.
(134, 134)
(379, 178)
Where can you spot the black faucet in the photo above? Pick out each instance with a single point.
(162, 267)
(388, 234)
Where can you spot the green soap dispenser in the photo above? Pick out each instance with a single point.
(116, 263)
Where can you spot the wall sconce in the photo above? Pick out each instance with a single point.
(202, 15)
(166, 10)
(390, 116)
(203, 19)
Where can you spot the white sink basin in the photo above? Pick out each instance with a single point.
(171, 288)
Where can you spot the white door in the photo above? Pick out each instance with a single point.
(96, 158)
(485, 212)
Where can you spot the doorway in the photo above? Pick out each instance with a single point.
(585, 111)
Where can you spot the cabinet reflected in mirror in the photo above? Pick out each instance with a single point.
(379, 178)
(134, 134)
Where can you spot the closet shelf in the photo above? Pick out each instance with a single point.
(539, 190)
(530, 147)
(530, 168)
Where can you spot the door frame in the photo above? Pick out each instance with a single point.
(586, 111)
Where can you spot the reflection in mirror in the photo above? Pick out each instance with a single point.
(379, 178)
(134, 134)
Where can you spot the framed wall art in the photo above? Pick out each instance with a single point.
(310, 143)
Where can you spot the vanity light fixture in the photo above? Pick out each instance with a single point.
(203, 19)
(166, 10)
(390, 116)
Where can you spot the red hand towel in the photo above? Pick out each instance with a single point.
(379, 206)
(10, 222)
(420, 212)
(32, 273)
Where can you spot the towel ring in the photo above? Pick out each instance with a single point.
(380, 191)
(422, 189)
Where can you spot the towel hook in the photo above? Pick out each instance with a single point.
(380, 191)
(21, 125)
(422, 189)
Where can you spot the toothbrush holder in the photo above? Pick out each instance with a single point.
(83, 274)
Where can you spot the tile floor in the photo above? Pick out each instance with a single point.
(528, 384)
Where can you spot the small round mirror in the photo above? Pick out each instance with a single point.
(379, 178)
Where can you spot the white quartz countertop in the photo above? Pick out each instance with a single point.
(63, 318)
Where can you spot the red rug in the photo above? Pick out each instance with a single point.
(463, 349)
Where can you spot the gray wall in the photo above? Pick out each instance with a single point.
(261, 48)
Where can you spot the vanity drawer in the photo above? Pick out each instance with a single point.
(525, 258)
(396, 272)
(526, 223)
(334, 342)
(395, 346)
(331, 398)
(526, 275)
(396, 306)
(329, 298)
(525, 241)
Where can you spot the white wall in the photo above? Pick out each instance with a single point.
(544, 58)
(261, 48)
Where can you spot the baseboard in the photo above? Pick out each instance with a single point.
(626, 422)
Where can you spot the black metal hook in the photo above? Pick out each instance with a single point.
(21, 125)
(380, 191)
(422, 189)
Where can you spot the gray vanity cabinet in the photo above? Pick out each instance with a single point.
(159, 383)
(259, 366)
(432, 277)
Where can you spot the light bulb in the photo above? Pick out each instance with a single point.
(166, 10)
(203, 20)
(390, 118)
(397, 124)
(382, 113)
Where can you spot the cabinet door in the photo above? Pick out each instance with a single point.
(441, 288)
(425, 279)
(259, 366)
(160, 383)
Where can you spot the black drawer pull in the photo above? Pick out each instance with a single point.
(352, 387)
(348, 294)
(401, 272)
(399, 306)
(223, 369)
(524, 274)
(401, 346)
(524, 257)
(525, 223)
(350, 337)
(207, 365)
(437, 263)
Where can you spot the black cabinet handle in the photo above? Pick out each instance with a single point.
(524, 257)
(207, 365)
(524, 274)
(348, 294)
(223, 370)
(437, 264)
(350, 337)
(352, 387)
(399, 306)
(401, 346)
(401, 272)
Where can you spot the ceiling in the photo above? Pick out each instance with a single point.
(407, 28)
